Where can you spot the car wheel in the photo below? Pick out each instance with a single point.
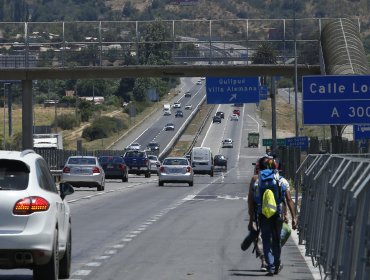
(191, 184)
(65, 262)
(50, 270)
(125, 178)
(160, 183)
(99, 188)
(211, 174)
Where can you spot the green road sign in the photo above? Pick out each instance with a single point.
(268, 142)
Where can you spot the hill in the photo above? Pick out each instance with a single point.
(83, 10)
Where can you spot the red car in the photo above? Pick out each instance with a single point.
(237, 112)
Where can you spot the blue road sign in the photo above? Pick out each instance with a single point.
(301, 141)
(361, 132)
(230, 90)
(334, 100)
(263, 92)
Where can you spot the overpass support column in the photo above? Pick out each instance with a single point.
(27, 116)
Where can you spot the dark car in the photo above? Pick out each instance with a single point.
(216, 119)
(220, 160)
(169, 126)
(220, 114)
(179, 114)
(188, 94)
(153, 147)
(114, 167)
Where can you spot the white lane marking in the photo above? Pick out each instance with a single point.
(94, 264)
(130, 235)
(118, 246)
(110, 252)
(126, 239)
(208, 130)
(135, 232)
(82, 272)
(102, 257)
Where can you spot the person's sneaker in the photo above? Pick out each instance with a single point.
(263, 264)
(278, 269)
(270, 273)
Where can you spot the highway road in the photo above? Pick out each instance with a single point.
(137, 230)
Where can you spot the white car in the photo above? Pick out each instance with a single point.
(199, 82)
(167, 113)
(227, 143)
(134, 146)
(84, 171)
(154, 164)
(234, 117)
(35, 223)
(175, 170)
(188, 107)
(176, 105)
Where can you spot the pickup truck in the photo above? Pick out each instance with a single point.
(137, 163)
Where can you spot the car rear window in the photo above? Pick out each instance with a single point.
(112, 159)
(175, 162)
(135, 154)
(13, 175)
(82, 161)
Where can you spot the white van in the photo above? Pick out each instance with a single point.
(202, 160)
(166, 109)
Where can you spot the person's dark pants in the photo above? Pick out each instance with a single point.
(270, 233)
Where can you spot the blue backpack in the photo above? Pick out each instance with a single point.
(268, 179)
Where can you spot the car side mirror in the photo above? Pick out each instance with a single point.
(65, 189)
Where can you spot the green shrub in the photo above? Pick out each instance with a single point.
(102, 128)
(66, 121)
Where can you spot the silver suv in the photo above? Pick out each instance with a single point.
(35, 223)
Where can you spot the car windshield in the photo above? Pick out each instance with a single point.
(152, 157)
(82, 161)
(175, 161)
(13, 175)
(152, 145)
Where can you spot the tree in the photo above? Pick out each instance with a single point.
(265, 54)
(153, 48)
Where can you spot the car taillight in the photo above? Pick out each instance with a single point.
(188, 169)
(29, 205)
(161, 169)
(146, 161)
(96, 170)
(121, 166)
(66, 170)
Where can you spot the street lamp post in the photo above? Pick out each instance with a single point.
(295, 73)
(4, 123)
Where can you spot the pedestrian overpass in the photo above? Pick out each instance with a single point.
(220, 48)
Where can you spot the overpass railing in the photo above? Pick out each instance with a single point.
(334, 220)
(119, 43)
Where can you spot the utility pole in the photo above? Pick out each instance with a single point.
(4, 122)
(273, 114)
(295, 74)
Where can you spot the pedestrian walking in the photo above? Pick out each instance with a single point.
(267, 193)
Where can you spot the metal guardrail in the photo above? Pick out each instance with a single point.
(334, 220)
